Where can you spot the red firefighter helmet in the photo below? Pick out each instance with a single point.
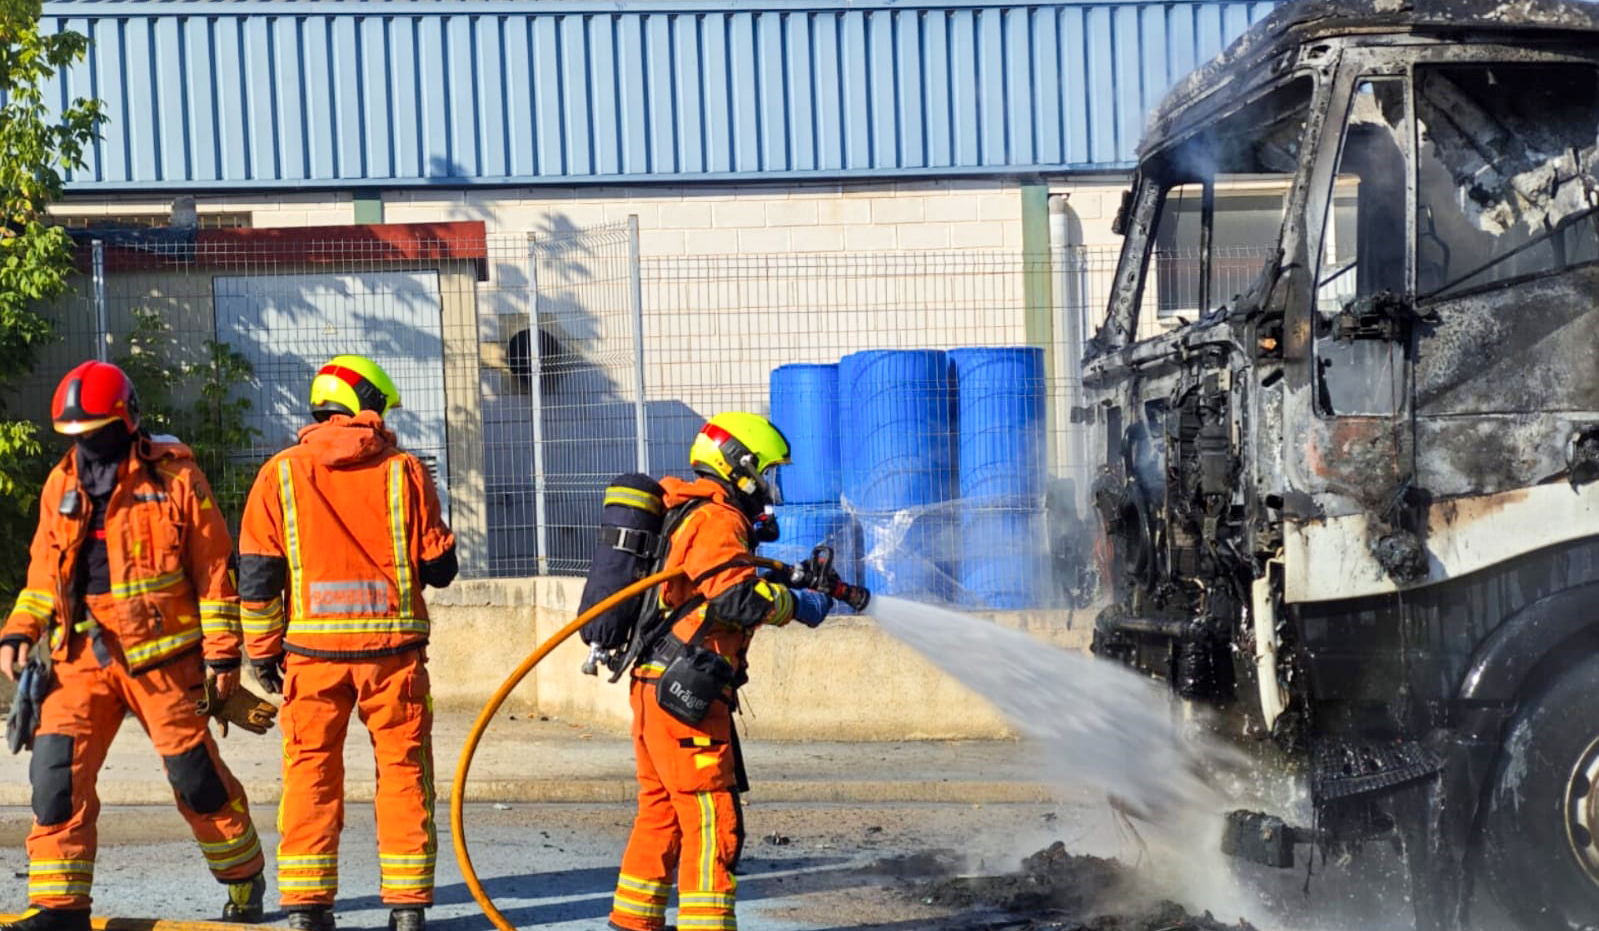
(91, 396)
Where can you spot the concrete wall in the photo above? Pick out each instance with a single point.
(846, 680)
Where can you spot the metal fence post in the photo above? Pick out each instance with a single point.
(102, 335)
(535, 357)
(636, 285)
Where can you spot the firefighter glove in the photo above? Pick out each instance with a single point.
(270, 673)
(811, 607)
(242, 707)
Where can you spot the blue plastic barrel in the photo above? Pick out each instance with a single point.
(804, 526)
(1004, 561)
(1000, 414)
(804, 405)
(895, 428)
(896, 436)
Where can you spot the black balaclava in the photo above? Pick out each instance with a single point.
(100, 455)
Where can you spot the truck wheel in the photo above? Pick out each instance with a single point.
(1540, 852)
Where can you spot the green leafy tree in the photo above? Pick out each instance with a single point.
(214, 424)
(36, 146)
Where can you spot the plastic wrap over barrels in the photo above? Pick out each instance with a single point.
(1004, 555)
(896, 436)
(804, 526)
(804, 405)
(1003, 562)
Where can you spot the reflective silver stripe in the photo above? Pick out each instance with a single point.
(402, 551)
(291, 532)
(383, 625)
(165, 646)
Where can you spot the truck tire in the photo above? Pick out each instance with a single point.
(1539, 856)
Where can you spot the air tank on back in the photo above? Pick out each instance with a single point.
(1003, 556)
(896, 427)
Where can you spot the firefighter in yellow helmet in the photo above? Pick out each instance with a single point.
(689, 826)
(340, 534)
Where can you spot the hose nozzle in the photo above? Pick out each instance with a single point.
(856, 596)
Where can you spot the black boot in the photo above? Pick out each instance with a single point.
(244, 901)
(311, 918)
(50, 919)
(407, 919)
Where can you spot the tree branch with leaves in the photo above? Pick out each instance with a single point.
(40, 141)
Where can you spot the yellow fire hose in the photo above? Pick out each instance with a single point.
(458, 791)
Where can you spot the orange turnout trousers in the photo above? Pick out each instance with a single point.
(391, 695)
(689, 825)
(78, 721)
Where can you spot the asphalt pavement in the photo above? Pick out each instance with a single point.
(550, 804)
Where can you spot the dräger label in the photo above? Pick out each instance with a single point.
(685, 696)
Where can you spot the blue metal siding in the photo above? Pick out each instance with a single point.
(216, 94)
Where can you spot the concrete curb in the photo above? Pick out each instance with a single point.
(603, 791)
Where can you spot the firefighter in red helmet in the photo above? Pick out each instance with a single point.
(129, 607)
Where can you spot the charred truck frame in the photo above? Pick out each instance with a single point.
(1352, 505)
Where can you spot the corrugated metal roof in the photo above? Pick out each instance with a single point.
(213, 94)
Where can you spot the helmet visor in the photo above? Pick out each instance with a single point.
(774, 487)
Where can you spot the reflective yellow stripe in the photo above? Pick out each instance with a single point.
(383, 625)
(146, 586)
(782, 608)
(633, 498)
(222, 862)
(219, 616)
(705, 899)
(723, 922)
(265, 620)
(303, 861)
(163, 647)
(308, 884)
(707, 835)
(60, 866)
(34, 603)
(291, 533)
(402, 549)
(406, 882)
(641, 909)
(647, 887)
(408, 859)
(248, 837)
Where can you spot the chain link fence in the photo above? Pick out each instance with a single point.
(534, 368)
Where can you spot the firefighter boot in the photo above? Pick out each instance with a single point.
(50, 919)
(407, 919)
(311, 918)
(244, 901)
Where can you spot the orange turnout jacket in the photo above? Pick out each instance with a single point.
(169, 555)
(713, 534)
(340, 534)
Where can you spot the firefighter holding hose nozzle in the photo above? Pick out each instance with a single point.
(686, 649)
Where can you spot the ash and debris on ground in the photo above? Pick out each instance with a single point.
(1055, 890)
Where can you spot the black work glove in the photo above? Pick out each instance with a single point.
(270, 673)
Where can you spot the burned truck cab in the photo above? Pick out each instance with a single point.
(1348, 501)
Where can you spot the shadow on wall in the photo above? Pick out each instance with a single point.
(584, 392)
